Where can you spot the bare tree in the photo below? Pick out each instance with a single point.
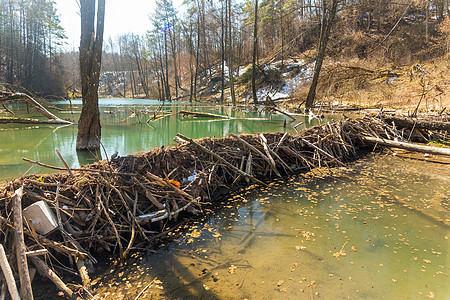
(91, 44)
(328, 15)
(255, 52)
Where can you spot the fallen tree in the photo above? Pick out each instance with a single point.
(24, 97)
(407, 146)
(419, 123)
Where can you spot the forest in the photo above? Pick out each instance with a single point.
(211, 42)
(239, 149)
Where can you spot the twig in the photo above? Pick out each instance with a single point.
(9, 277)
(144, 289)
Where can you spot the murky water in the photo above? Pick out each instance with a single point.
(345, 236)
(119, 132)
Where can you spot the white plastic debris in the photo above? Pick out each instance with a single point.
(42, 218)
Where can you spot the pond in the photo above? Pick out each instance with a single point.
(120, 131)
(347, 235)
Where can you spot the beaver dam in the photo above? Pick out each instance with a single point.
(127, 203)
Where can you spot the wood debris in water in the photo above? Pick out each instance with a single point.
(127, 203)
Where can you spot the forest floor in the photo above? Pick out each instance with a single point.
(348, 83)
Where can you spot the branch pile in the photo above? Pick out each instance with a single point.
(128, 202)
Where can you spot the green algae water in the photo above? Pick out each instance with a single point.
(121, 131)
(355, 234)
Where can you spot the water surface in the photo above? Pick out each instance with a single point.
(344, 236)
(121, 131)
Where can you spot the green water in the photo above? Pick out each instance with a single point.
(127, 136)
(344, 236)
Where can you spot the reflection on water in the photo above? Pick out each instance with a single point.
(119, 132)
(345, 236)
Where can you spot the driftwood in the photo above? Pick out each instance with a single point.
(22, 263)
(419, 123)
(9, 277)
(4, 120)
(407, 146)
(45, 271)
(203, 115)
(37, 105)
(221, 159)
(281, 112)
(118, 205)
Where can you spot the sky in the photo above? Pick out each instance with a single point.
(129, 16)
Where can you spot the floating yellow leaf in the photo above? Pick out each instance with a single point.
(195, 233)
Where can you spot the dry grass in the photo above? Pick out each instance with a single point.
(369, 84)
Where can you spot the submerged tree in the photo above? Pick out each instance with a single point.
(91, 44)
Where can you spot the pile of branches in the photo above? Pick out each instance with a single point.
(125, 203)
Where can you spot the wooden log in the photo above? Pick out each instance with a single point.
(45, 271)
(37, 105)
(407, 146)
(4, 120)
(282, 112)
(417, 123)
(203, 115)
(22, 263)
(9, 277)
(218, 157)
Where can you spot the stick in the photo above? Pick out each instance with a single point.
(45, 271)
(83, 273)
(281, 112)
(79, 170)
(65, 164)
(324, 152)
(36, 252)
(148, 285)
(22, 263)
(267, 150)
(9, 277)
(267, 159)
(46, 242)
(221, 159)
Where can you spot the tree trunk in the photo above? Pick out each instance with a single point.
(222, 49)
(427, 20)
(91, 44)
(230, 57)
(327, 20)
(255, 52)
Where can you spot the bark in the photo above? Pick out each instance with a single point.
(37, 105)
(255, 52)
(230, 57)
(91, 44)
(9, 277)
(327, 21)
(408, 146)
(420, 124)
(22, 262)
(31, 121)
